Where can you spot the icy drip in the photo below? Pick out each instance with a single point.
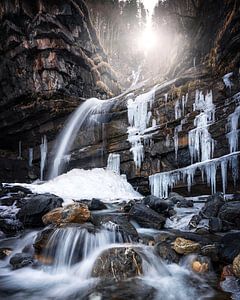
(180, 105)
(68, 246)
(30, 157)
(201, 144)
(68, 135)
(113, 163)
(139, 116)
(43, 152)
(233, 135)
(227, 80)
(20, 149)
(162, 182)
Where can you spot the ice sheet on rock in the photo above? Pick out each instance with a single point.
(233, 134)
(87, 184)
(139, 116)
(113, 163)
(227, 80)
(161, 182)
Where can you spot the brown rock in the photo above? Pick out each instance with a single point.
(183, 246)
(73, 213)
(199, 267)
(236, 266)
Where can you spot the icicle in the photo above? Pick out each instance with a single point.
(178, 111)
(161, 182)
(30, 157)
(167, 142)
(176, 131)
(227, 81)
(166, 97)
(224, 165)
(139, 117)
(113, 163)
(43, 151)
(20, 149)
(194, 62)
(201, 144)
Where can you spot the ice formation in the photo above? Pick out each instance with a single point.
(162, 182)
(20, 149)
(177, 129)
(30, 157)
(43, 152)
(180, 105)
(87, 184)
(139, 116)
(233, 135)
(113, 163)
(201, 144)
(227, 81)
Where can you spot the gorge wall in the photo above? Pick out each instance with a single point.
(50, 59)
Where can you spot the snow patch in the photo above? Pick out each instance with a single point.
(87, 184)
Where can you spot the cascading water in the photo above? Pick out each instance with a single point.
(70, 130)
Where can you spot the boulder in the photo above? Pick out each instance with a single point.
(157, 204)
(229, 247)
(134, 289)
(9, 224)
(21, 260)
(165, 251)
(179, 200)
(215, 224)
(230, 214)
(210, 251)
(183, 246)
(72, 213)
(35, 206)
(96, 204)
(236, 266)
(146, 217)
(212, 205)
(227, 272)
(118, 264)
(120, 222)
(4, 252)
(200, 267)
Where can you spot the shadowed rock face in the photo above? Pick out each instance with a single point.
(50, 58)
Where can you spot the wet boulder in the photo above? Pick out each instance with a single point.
(165, 251)
(4, 252)
(183, 246)
(118, 264)
(21, 260)
(9, 224)
(212, 205)
(72, 213)
(230, 214)
(215, 224)
(96, 204)
(179, 200)
(6, 189)
(229, 247)
(34, 207)
(120, 222)
(157, 204)
(134, 289)
(146, 217)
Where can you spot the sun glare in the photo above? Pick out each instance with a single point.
(147, 40)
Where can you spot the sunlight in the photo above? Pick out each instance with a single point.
(147, 39)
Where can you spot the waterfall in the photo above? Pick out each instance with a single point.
(68, 246)
(70, 130)
(43, 151)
